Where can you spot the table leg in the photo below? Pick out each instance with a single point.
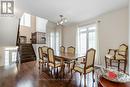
(62, 68)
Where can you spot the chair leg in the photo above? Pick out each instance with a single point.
(125, 66)
(39, 65)
(42, 66)
(118, 65)
(68, 67)
(54, 71)
(93, 76)
(51, 72)
(80, 79)
(57, 72)
(84, 80)
(106, 61)
(71, 72)
(110, 63)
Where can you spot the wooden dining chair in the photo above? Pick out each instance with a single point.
(52, 61)
(62, 49)
(119, 56)
(42, 57)
(70, 50)
(86, 66)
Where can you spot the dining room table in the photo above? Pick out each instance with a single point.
(64, 56)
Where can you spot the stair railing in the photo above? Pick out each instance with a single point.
(18, 32)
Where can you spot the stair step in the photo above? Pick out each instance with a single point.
(27, 60)
(27, 53)
(24, 53)
(24, 56)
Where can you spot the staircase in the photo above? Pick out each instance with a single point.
(27, 53)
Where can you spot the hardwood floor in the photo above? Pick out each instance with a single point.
(28, 75)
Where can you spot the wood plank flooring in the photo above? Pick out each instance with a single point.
(28, 75)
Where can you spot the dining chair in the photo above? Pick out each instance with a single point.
(42, 56)
(86, 66)
(119, 55)
(70, 50)
(52, 60)
(62, 49)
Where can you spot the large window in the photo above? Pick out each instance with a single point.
(26, 20)
(86, 38)
(41, 24)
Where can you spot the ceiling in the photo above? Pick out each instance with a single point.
(74, 10)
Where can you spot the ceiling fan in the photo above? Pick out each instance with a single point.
(62, 20)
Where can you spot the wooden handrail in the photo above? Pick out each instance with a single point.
(18, 32)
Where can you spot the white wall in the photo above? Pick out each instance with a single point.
(8, 34)
(69, 36)
(113, 30)
(8, 31)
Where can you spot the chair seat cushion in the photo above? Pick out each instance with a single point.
(109, 56)
(43, 61)
(119, 57)
(80, 68)
(57, 64)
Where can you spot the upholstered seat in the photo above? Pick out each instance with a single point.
(57, 64)
(42, 61)
(120, 57)
(80, 68)
(110, 56)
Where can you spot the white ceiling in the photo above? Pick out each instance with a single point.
(74, 10)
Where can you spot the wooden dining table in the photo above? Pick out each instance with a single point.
(66, 57)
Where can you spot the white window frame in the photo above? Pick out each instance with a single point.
(26, 20)
(87, 31)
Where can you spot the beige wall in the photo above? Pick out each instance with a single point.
(113, 30)
(26, 31)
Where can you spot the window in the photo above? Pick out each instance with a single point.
(10, 55)
(86, 38)
(57, 41)
(52, 40)
(41, 24)
(26, 20)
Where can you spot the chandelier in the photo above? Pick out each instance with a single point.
(62, 20)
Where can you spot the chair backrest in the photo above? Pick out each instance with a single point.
(44, 49)
(40, 53)
(62, 49)
(51, 57)
(90, 57)
(71, 49)
(123, 50)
